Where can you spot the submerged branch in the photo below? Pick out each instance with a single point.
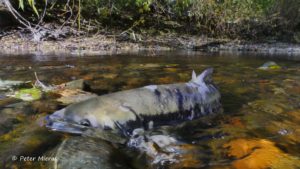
(41, 85)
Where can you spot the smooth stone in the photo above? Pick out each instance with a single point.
(270, 65)
(83, 152)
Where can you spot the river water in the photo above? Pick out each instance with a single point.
(260, 126)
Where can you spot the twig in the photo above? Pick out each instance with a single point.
(43, 15)
(37, 27)
(38, 83)
(71, 14)
(16, 14)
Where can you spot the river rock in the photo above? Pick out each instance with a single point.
(28, 138)
(75, 84)
(11, 84)
(82, 152)
(28, 94)
(259, 153)
(270, 65)
(106, 135)
(73, 96)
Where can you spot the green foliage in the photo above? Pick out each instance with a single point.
(143, 5)
(21, 4)
(227, 18)
(207, 13)
(223, 13)
(31, 3)
(288, 10)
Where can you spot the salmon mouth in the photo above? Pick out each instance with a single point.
(55, 122)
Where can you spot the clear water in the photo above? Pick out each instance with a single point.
(261, 107)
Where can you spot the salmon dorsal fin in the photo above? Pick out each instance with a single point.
(204, 77)
(194, 76)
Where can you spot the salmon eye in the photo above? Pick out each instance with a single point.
(85, 122)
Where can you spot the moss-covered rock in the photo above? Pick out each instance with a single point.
(28, 94)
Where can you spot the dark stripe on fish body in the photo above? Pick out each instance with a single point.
(157, 93)
(137, 123)
(171, 118)
(179, 99)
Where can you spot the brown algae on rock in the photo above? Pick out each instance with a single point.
(259, 154)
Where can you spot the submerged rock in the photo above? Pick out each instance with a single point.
(105, 135)
(5, 100)
(26, 139)
(80, 152)
(269, 66)
(10, 84)
(28, 94)
(7, 121)
(70, 92)
(259, 154)
(68, 96)
(287, 129)
(269, 106)
(75, 84)
(73, 91)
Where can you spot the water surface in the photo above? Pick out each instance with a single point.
(261, 107)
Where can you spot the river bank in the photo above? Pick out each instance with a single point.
(147, 26)
(14, 42)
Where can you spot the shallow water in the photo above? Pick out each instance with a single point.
(261, 107)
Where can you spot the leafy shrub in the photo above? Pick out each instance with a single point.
(225, 18)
